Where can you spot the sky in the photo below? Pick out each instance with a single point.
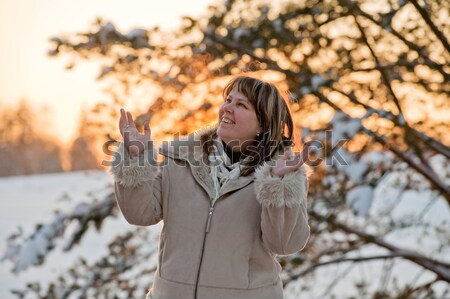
(27, 72)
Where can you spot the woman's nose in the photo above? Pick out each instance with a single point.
(228, 107)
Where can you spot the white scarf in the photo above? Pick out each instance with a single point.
(222, 170)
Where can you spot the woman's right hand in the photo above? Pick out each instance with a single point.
(136, 143)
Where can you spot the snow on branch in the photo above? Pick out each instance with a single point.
(33, 249)
(440, 268)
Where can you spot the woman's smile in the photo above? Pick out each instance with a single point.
(227, 121)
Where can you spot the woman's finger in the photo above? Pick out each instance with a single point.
(147, 130)
(290, 159)
(130, 119)
(303, 157)
(122, 121)
(284, 157)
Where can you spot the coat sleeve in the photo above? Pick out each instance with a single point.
(137, 186)
(284, 218)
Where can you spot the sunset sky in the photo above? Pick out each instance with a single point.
(27, 73)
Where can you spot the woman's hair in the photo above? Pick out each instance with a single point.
(274, 118)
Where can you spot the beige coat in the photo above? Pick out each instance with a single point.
(226, 251)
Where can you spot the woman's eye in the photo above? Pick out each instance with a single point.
(227, 100)
(242, 105)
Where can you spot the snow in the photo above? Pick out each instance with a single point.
(28, 200)
(259, 43)
(40, 242)
(264, 10)
(344, 127)
(278, 25)
(239, 33)
(414, 205)
(305, 90)
(376, 157)
(80, 209)
(108, 27)
(356, 170)
(360, 199)
(317, 81)
(385, 204)
(137, 33)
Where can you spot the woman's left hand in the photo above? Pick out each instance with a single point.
(285, 165)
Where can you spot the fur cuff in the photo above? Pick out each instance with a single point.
(289, 191)
(133, 171)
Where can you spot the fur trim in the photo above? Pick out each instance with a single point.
(289, 191)
(189, 148)
(133, 171)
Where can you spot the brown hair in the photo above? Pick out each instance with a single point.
(274, 118)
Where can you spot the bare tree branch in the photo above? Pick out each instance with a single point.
(313, 267)
(441, 269)
(384, 76)
(425, 171)
(425, 286)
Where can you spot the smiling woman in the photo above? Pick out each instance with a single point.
(230, 203)
(248, 115)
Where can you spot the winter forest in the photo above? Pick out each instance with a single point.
(369, 87)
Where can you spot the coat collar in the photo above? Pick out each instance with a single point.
(190, 149)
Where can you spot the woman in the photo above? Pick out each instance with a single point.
(230, 202)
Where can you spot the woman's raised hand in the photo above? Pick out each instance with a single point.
(285, 164)
(134, 141)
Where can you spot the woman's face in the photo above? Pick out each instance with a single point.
(238, 122)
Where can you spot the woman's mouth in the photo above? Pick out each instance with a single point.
(228, 121)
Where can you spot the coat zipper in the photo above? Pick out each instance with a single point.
(208, 224)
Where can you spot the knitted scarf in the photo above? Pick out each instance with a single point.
(222, 170)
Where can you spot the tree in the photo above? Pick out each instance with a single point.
(358, 73)
(24, 147)
(83, 154)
